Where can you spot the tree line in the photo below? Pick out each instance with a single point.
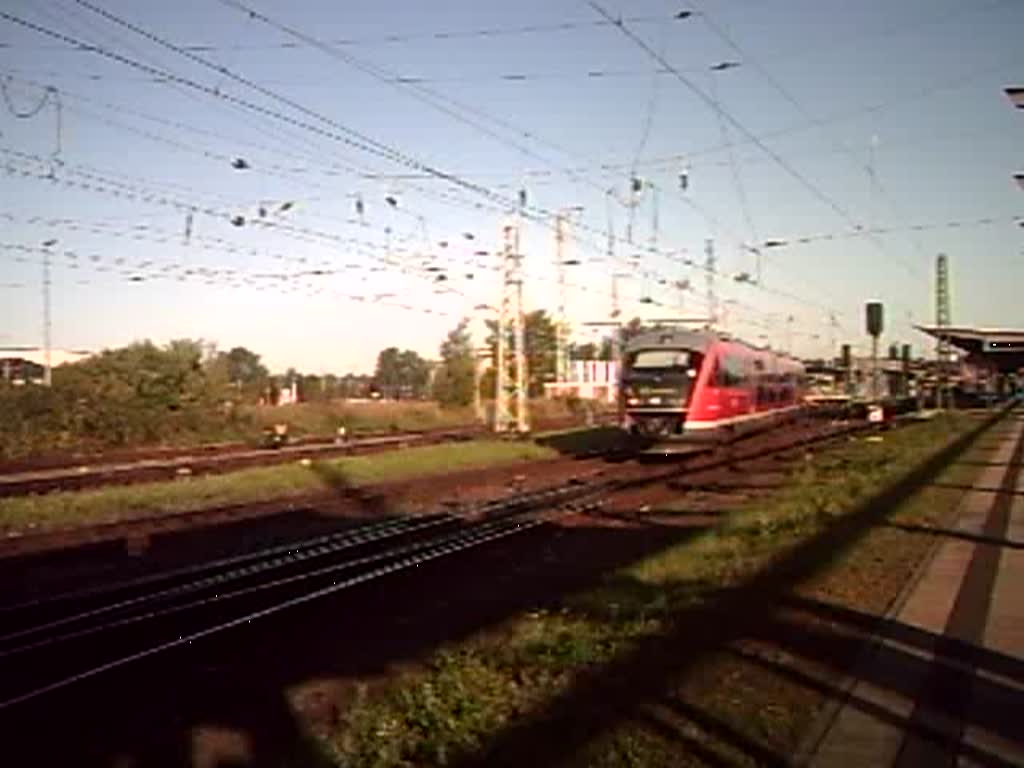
(451, 380)
(188, 389)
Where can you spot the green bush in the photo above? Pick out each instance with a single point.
(140, 394)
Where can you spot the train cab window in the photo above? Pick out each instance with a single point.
(662, 359)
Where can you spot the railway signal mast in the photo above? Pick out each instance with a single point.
(562, 260)
(874, 323)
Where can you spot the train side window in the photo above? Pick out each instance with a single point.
(715, 375)
(723, 379)
(731, 372)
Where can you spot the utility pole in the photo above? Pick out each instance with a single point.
(480, 356)
(832, 323)
(510, 379)
(561, 353)
(682, 285)
(709, 277)
(47, 369)
(655, 224)
(562, 260)
(522, 417)
(942, 320)
(636, 186)
(502, 413)
(616, 309)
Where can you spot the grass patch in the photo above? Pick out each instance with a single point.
(468, 692)
(259, 484)
(324, 418)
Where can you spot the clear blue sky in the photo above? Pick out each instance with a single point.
(871, 115)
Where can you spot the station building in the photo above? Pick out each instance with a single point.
(26, 365)
(588, 380)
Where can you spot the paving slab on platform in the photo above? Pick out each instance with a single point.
(956, 697)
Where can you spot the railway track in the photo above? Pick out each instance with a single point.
(172, 464)
(50, 643)
(82, 476)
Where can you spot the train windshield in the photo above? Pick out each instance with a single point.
(661, 359)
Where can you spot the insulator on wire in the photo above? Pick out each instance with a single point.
(238, 221)
(239, 164)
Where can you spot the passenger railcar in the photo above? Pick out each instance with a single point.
(699, 385)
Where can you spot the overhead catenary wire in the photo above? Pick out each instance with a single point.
(335, 132)
(399, 39)
(50, 96)
(241, 102)
(95, 183)
(144, 271)
(741, 192)
(199, 59)
(431, 97)
(796, 175)
(298, 174)
(719, 30)
(815, 191)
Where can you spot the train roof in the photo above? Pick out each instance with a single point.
(697, 340)
(673, 337)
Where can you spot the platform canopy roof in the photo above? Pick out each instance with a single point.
(1000, 348)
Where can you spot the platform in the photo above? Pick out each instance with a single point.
(963, 620)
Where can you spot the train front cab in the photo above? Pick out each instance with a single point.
(657, 386)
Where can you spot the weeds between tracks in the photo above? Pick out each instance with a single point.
(727, 708)
(81, 508)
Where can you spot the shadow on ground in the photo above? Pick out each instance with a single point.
(630, 686)
(597, 441)
(235, 689)
(225, 701)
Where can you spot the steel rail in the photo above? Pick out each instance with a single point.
(514, 520)
(447, 547)
(206, 566)
(292, 557)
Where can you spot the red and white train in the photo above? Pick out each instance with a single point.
(697, 385)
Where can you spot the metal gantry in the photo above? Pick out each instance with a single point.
(510, 379)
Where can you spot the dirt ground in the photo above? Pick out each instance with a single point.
(246, 696)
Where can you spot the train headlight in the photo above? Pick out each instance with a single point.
(654, 400)
(633, 401)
